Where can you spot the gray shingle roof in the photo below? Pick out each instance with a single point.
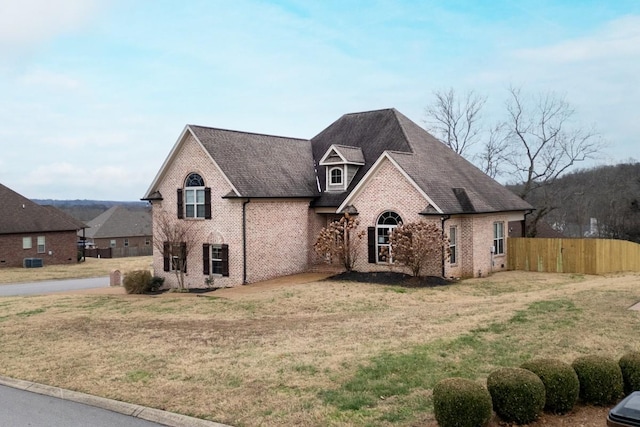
(119, 221)
(20, 215)
(261, 165)
(434, 167)
(350, 154)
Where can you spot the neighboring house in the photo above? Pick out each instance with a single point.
(128, 230)
(258, 202)
(32, 232)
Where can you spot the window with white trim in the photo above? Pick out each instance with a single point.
(215, 259)
(126, 242)
(194, 196)
(27, 243)
(41, 245)
(112, 243)
(453, 245)
(384, 227)
(498, 238)
(336, 176)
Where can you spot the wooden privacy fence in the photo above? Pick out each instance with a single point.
(118, 252)
(587, 256)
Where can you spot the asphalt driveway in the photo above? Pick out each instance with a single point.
(49, 286)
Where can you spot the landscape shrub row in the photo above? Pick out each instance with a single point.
(520, 395)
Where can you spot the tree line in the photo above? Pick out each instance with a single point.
(536, 146)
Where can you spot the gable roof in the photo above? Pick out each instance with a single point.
(20, 215)
(118, 221)
(255, 165)
(452, 183)
(352, 155)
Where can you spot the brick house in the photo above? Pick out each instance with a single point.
(258, 202)
(34, 232)
(121, 228)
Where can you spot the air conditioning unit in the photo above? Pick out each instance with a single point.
(32, 262)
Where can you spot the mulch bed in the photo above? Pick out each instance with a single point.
(392, 279)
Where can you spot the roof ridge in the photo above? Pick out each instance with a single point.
(370, 111)
(247, 133)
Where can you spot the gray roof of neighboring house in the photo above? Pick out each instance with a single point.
(118, 221)
(453, 183)
(261, 165)
(20, 215)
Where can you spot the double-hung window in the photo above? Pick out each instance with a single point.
(498, 238)
(215, 259)
(26, 242)
(453, 245)
(41, 245)
(194, 200)
(175, 256)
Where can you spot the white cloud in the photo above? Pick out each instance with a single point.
(41, 78)
(27, 22)
(617, 39)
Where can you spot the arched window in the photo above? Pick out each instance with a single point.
(335, 176)
(194, 206)
(386, 223)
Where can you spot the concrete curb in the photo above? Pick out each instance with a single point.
(149, 414)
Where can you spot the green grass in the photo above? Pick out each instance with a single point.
(469, 355)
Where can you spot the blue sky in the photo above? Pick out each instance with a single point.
(96, 92)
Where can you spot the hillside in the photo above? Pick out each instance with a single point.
(86, 210)
(598, 202)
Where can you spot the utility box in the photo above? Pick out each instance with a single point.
(626, 413)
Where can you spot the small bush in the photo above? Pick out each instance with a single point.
(518, 395)
(560, 381)
(600, 379)
(156, 283)
(458, 402)
(137, 281)
(630, 367)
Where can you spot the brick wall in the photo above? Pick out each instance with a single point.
(277, 230)
(60, 248)
(388, 190)
(278, 238)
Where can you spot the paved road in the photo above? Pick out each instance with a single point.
(48, 286)
(23, 408)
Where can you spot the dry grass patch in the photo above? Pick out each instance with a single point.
(92, 267)
(319, 353)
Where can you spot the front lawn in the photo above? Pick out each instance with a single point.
(320, 353)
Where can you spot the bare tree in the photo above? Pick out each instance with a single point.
(174, 239)
(455, 120)
(542, 145)
(416, 244)
(492, 155)
(335, 241)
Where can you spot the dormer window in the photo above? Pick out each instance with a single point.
(335, 176)
(341, 165)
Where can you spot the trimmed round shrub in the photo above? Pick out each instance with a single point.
(518, 395)
(600, 379)
(459, 402)
(560, 381)
(630, 367)
(137, 281)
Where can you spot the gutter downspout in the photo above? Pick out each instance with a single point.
(524, 222)
(244, 241)
(443, 218)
